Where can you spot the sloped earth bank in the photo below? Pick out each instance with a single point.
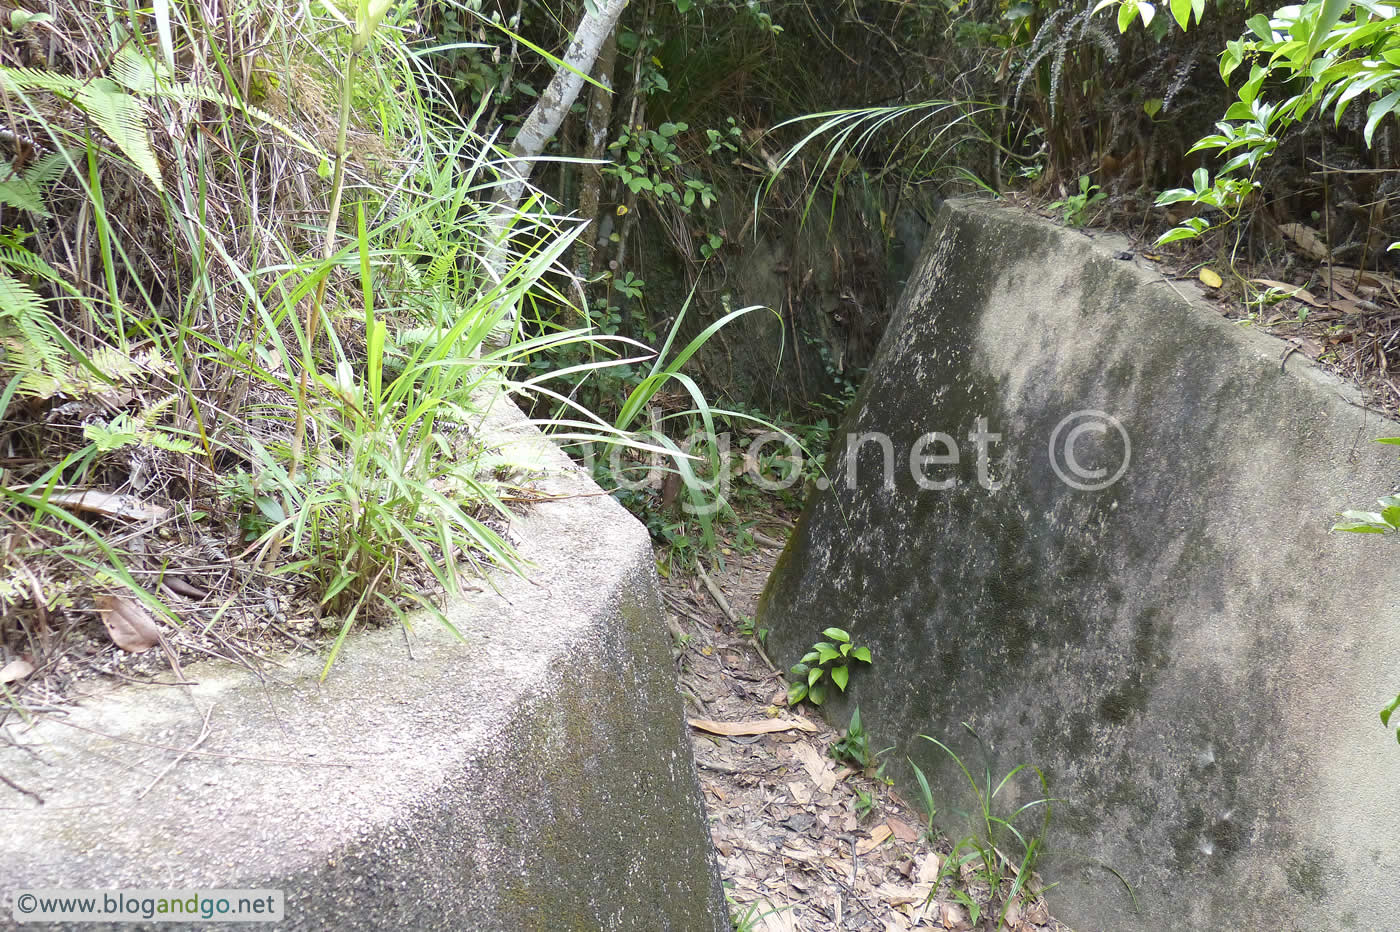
(795, 849)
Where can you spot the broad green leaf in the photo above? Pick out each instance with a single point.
(1330, 13)
(1389, 710)
(836, 634)
(1181, 12)
(1259, 25)
(828, 653)
(1126, 12)
(1377, 111)
(861, 653)
(813, 675)
(1177, 233)
(1146, 11)
(840, 676)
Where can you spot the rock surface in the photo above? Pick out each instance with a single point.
(1191, 658)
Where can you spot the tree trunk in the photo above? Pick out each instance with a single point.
(599, 20)
(543, 121)
(600, 107)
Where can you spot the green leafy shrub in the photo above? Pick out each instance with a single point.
(827, 661)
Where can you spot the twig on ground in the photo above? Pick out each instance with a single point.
(203, 733)
(723, 604)
(19, 789)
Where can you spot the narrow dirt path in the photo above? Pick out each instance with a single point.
(804, 842)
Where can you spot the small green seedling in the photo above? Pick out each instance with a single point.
(826, 661)
(854, 748)
(1075, 207)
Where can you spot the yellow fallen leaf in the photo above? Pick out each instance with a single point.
(762, 727)
(1210, 279)
(876, 839)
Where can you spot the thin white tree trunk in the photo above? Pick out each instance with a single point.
(549, 111)
(599, 20)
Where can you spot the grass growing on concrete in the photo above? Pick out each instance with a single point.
(245, 301)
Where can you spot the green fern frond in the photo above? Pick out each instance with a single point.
(144, 75)
(115, 112)
(155, 411)
(443, 263)
(18, 80)
(26, 191)
(18, 300)
(127, 431)
(121, 117)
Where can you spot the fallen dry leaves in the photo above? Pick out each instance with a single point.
(797, 850)
(128, 624)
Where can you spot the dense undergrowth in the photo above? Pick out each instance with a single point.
(252, 264)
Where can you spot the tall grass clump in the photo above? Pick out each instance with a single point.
(244, 309)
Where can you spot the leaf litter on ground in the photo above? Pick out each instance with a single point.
(785, 817)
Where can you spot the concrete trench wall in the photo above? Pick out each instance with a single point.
(1188, 654)
(536, 777)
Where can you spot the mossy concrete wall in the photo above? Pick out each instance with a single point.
(1188, 654)
(535, 777)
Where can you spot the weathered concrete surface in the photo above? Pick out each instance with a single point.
(535, 777)
(1191, 657)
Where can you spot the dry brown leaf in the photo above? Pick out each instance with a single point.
(954, 917)
(877, 838)
(128, 624)
(1306, 238)
(1293, 291)
(821, 771)
(899, 895)
(927, 871)
(758, 727)
(15, 670)
(903, 830)
(801, 792)
(110, 504)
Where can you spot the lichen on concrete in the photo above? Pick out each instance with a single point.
(535, 776)
(1189, 656)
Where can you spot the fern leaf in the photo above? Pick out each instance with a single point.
(16, 192)
(136, 72)
(120, 116)
(155, 411)
(19, 80)
(442, 263)
(26, 191)
(18, 300)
